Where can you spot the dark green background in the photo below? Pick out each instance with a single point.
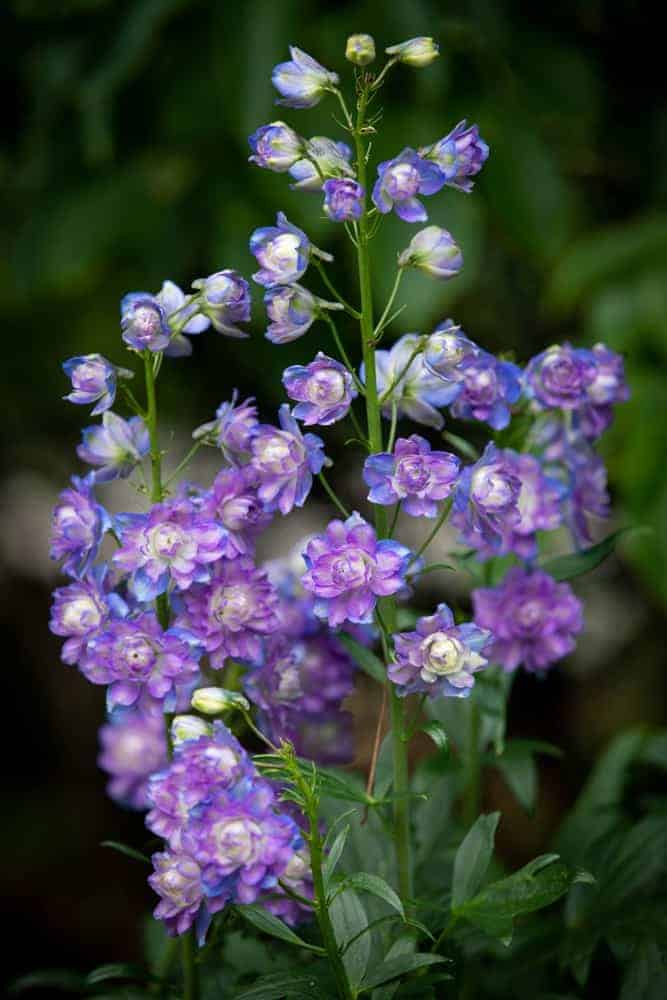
(125, 163)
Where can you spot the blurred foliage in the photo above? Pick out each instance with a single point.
(125, 163)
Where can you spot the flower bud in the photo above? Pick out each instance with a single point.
(188, 727)
(434, 251)
(214, 700)
(417, 52)
(360, 49)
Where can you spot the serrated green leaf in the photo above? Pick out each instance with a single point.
(364, 658)
(577, 563)
(472, 858)
(373, 884)
(333, 857)
(129, 852)
(268, 924)
(396, 967)
(438, 734)
(348, 918)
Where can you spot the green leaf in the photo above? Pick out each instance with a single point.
(369, 662)
(570, 566)
(491, 692)
(125, 849)
(518, 768)
(348, 918)
(472, 859)
(535, 886)
(118, 970)
(268, 924)
(461, 445)
(438, 734)
(57, 979)
(333, 857)
(646, 975)
(396, 967)
(282, 986)
(373, 884)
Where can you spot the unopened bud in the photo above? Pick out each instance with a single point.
(417, 52)
(188, 727)
(360, 50)
(214, 700)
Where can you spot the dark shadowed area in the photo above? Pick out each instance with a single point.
(124, 162)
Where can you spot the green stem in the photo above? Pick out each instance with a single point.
(436, 528)
(334, 291)
(338, 504)
(401, 814)
(343, 354)
(190, 975)
(185, 462)
(473, 766)
(381, 322)
(322, 911)
(151, 423)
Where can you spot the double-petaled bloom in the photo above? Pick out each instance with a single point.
(488, 389)
(115, 446)
(447, 350)
(78, 526)
(80, 609)
(343, 199)
(560, 377)
(404, 381)
(232, 501)
(348, 569)
(413, 475)
(172, 543)
(94, 380)
(439, 657)
(486, 500)
(133, 746)
(283, 252)
(400, 181)
(143, 322)
(302, 82)
(232, 430)
(534, 620)
(285, 461)
(224, 299)
(433, 251)
(323, 390)
(460, 155)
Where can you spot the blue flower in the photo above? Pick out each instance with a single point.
(143, 322)
(343, 199)
(275, 147)
(283, 252)
(460, 155)
(434, 251)
(292, 310)
(183, 316)
(302, 82)
(400, 181)
(323, 159)
(115, 445)
(404, 381)
(225, 301)
(93, 381)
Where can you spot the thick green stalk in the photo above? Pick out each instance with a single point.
(375, 440)
(190, 973)
(473, 766)
(322, 912)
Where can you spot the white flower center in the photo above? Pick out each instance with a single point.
(443, 654)
(238, 841)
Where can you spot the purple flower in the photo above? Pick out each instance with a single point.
(135, 657)
(177, 879)
(607, 388)
(404, 380)
(133, 747)
(439, 657)
(285, 461)
(343, 199)
(446, 351)
(143, 322)
(232, 502)
(302, 82)
(560, 377)
(323, 158)
(225, 301)
(275, 147)
(489, 387)
(292, 311)
(233, 428)
(400, 181)
(183, 316)
(460, 155)
(283, 252)
(434, 251)
(172, 542)
(117, 446)
(198, 768)
(323, 390)
(78, 525)
(413, 475)
(81, 609)
(417, 52)
(297, 877)
(232, 612)
(348, 569)
(533, 619)
(486, 500)
(586, 476)
(93, 381)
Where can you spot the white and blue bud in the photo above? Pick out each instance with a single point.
(214, 700)
(188, 727)
(360, 49)
(417, 52)
(434, 251)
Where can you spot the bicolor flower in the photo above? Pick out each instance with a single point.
(403, 380)
(133, 746)
(489, 387)
(81, 609)
(433, 251)
(400, 181)
(447, 350)
(78, 526)
(413, 475)
(343, 199)
(93, 380)
(460, 155)
(417, 52)
(323, 390)
(285, 461)
(143, 322)
(439, 657)
(486, 500)
(559, 378)
(184, 316)
(534, 620)
(322, 158)
(283, 252)
(232, 501)
(302, 82)
(276, 147)
(224, 298)
(348, 569)
(116, 446)
(233, 428)
(292, 310)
